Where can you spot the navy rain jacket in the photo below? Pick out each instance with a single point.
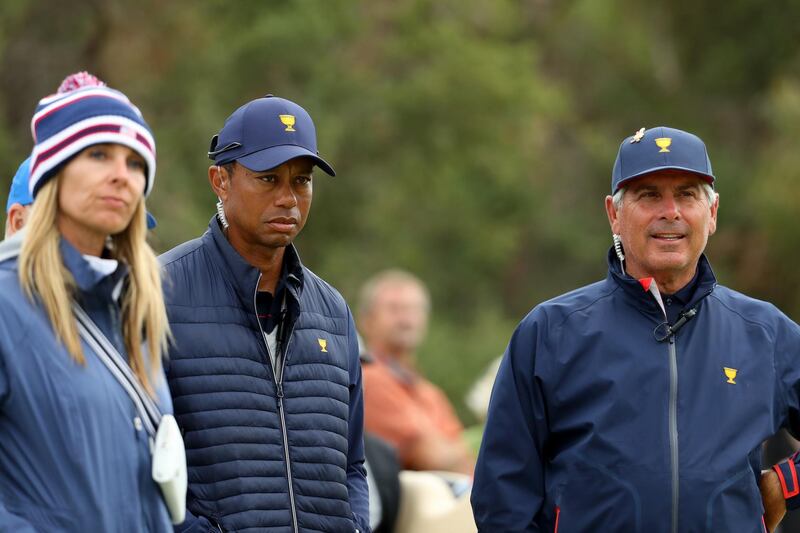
(264, 454)
(601, 420)
(72, 456)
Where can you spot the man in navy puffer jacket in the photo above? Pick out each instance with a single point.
(639, 403)
(264, 370)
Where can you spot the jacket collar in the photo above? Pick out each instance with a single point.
(87, 278)
(10, 248)
(704, 284)
(241, 274)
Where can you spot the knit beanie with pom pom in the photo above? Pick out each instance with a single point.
(82, 113)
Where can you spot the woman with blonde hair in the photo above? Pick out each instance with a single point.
(81, 311)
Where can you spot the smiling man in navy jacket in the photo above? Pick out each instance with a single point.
(639, 403)
(264, 371)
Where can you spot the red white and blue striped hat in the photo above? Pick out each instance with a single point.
(84, 112)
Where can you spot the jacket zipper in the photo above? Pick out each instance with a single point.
(673, 419)
(669, 335)
(673, 429)
(277, 375)
(673, 409)
(283, 428)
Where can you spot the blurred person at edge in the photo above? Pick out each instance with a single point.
(264, 370)
(19, 200)
(74, 456)
(639, 403)
(400, 405)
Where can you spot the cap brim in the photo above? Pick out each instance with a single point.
(274, 156)
(708, 177)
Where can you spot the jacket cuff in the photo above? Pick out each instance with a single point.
(787, 475)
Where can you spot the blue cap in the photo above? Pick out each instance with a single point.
(19, 194)
(265, 133)
(660, 148)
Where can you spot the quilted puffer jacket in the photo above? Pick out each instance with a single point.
(278, 450)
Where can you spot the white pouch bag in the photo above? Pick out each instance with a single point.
(169, 467)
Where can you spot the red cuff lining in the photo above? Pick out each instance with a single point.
(786, 493)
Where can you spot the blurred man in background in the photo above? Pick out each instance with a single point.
(640, 402)
(264, 370)
(19, 200)
(400, 405)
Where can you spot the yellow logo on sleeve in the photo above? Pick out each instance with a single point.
(323, 345)
(730, 373)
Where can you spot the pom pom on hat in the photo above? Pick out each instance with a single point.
(79, 80)
(82, 113)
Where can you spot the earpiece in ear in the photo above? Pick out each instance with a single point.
(222, 183)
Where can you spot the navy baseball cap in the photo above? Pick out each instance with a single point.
(265, 133)
(19, 193)
(660, 148)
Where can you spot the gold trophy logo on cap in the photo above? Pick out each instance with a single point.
(663, 143)
(288, 121)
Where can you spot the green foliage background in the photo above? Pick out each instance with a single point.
(473, 140)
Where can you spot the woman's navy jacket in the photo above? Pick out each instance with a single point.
(73, 455)
(604, 418)
(263, 456)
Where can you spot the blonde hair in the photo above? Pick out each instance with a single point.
(42, 275)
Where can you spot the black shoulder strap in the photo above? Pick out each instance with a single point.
(119, 368)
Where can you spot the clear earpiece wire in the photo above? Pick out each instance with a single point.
(221, 214)
(618, 251)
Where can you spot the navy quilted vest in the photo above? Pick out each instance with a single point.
(227, 403)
